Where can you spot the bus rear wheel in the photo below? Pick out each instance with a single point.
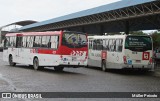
(36, 64)
(11, 63)
(104, 66)
(58, 69)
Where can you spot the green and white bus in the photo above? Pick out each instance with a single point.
(120, 51)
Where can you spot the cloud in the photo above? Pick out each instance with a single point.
(39, 10)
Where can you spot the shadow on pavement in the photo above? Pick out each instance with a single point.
(125, 71)
(46, 69)
(130, 72)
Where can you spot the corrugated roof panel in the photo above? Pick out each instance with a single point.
(100, 9)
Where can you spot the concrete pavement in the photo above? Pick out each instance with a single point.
(157, 70)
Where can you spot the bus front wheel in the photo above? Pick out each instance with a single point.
(59, 69)
(11, 63)
(36, 63)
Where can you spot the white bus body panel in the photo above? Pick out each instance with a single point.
(25, 56)
(114, 59)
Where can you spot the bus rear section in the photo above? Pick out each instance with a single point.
(138, 52)
(74, 49)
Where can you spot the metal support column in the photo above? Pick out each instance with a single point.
(127, 27)
(101, 30)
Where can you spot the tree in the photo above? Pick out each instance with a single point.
(136, 33)
(156, 39)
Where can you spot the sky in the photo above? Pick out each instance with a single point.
(41, 10)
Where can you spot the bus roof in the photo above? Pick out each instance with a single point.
(111, 36)
(34, 33)
(40, 33)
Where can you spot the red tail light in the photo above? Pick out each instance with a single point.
(125, 59)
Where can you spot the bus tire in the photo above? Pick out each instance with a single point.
(103, 65)
(58, 69)
(36, 64)
(11, 63)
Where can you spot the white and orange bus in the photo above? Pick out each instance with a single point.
(120, 51)
(46, 49)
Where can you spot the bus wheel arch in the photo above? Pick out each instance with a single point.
(103, 65)
(11, 63)
(35, 63)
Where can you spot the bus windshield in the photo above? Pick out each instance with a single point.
(74, 39)
(138, 43)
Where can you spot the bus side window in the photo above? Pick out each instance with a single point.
(48, 38)
(31, 39)
(119, 45)
(101, 44)
(110, 44)
(11, 41)
(19, 41)
(98, 44)
(9, 44)
(46, 42)
(44, 45)
(6, 42)
(114, 45)
(94, 44)
(54, 42)
(28, 41)
(90, 44)
(24, 41)
(14, 41)
(37, 41)
(105, 44)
